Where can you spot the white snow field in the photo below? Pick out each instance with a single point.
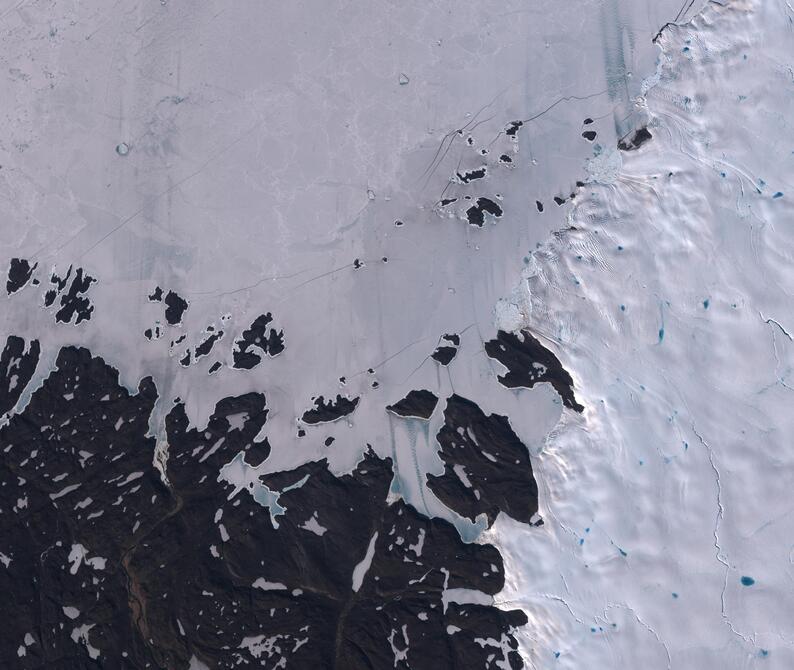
(669, 540)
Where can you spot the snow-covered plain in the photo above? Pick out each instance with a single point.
(670, 533)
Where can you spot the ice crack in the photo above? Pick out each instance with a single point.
(720, 554)
(777, 323)
(646, 626)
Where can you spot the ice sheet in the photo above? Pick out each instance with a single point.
(668, 542)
